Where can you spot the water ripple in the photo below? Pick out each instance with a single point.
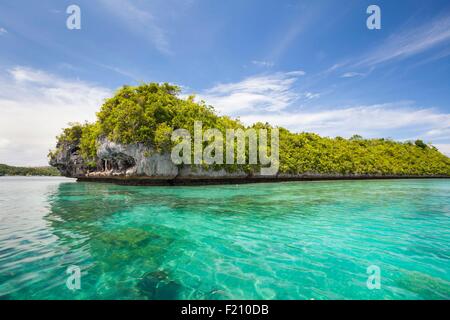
(268, 241)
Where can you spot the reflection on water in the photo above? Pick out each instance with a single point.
(265, 241)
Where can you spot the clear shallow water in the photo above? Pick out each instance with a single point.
(307, 240)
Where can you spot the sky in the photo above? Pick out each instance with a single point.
(305, 65)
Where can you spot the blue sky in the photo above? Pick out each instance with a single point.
(305, 65)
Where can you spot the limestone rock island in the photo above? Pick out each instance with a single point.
(130, 143)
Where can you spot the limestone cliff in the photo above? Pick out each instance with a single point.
(127, 160)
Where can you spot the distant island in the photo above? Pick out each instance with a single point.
(130, 143)
(6, 170)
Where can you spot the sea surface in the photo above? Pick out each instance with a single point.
(299, 240)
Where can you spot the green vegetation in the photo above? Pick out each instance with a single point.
(307, 152)
(6, 170)
(148, 113)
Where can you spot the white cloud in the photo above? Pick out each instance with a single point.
(444, 148)
(370, 121)
(296, 73)
(352, 74)
(262, 63)
(4, 143)
(335, 67)
(311, 95)
(410, 41)
(22, 75)
(3, 31)
(121, 71)
(35, 106)
(440, 133)
(270, 92)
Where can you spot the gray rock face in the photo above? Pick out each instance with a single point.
(128, 160)
(135, 160)
(68, 160)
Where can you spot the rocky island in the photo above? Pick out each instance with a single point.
(131, 142)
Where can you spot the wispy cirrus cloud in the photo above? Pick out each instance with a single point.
(3, 31)
(140, 21)
(35, 106)
(410, 41)
(404, 43)
(263, 63)
(304, 15)
(352, 74)
(269, 92)
(311, 95)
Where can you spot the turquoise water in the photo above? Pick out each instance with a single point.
(301, 240)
